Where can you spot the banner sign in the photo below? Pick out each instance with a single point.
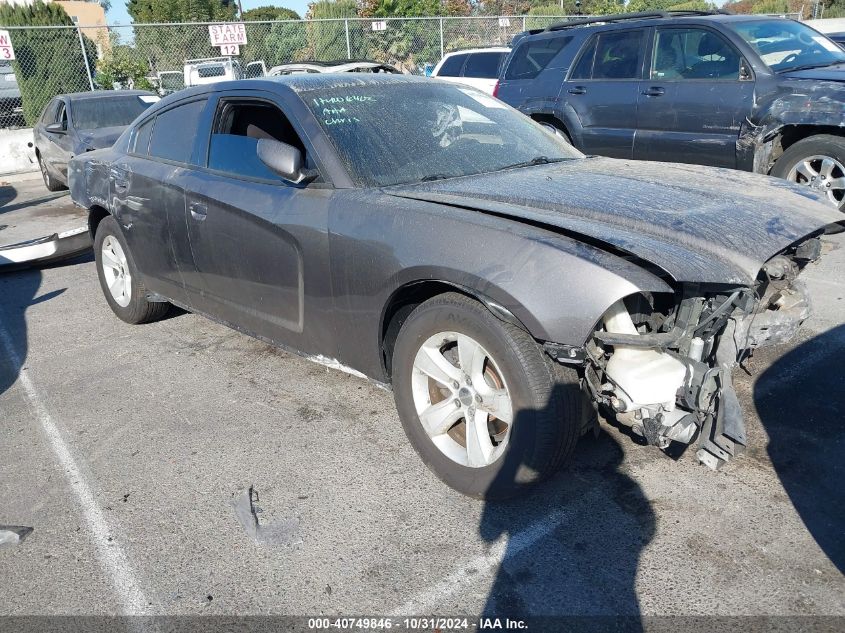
(224, 34)
(6, 50)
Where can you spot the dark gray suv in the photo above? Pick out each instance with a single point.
(746, 92)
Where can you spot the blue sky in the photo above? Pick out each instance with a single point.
(118, 15)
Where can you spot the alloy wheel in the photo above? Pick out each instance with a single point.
(823, 174)
(461, 399)
(116, 271)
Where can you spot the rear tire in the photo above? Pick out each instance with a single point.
(533, 437)
(51, 183)
(817, 162)
(119, 279)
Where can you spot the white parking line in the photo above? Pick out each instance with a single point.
(112, 558)
(433, 598)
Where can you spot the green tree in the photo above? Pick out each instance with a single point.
(121, 65)
(275, 43)
(167, 47)
(48, 61)
(265, 14)
(327, 40)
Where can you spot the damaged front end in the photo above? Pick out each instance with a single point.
(662, 364)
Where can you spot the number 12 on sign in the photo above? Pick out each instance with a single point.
(230, 49)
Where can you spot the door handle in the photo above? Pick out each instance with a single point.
(654, 91)
(577, 90)
(198, 210)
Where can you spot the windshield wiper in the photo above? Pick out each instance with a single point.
(434, 177)
(810, 66)
(539, 160)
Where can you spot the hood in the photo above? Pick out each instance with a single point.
(826, 73)
(699, 224)
(100, 138)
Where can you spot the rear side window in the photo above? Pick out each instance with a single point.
(584, 67)
(619, 55)
(612, 55)
(175, 130)
(452, 66)
(141, 144)
(531, 57)
(484, 65)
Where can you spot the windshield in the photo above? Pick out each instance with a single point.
(388, 134)
(88, 114)
(788, 45)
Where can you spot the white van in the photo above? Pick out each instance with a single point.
(211, 70)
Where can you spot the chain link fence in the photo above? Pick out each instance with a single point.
(53, 60)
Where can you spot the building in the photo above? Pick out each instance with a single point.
(89, 15)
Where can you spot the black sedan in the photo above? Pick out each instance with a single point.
(75, 123)
(430, 238)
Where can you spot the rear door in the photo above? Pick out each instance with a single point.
(148, 198)
(601, 89)
(697, 93)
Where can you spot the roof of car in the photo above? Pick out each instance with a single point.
(487, 49)
(648, 17)
(104, 94)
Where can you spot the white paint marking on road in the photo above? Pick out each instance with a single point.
(433, 598)
(112, 558)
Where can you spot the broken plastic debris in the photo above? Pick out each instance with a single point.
(13, 534)
(283, 532)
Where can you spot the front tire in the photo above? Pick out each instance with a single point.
(483, 406)
(119, 278)
(817, 162)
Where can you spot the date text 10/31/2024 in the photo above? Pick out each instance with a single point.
(418, 624)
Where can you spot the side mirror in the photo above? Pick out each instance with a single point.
(56, 128)
(282, 159)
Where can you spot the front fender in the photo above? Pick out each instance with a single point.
(556, 286)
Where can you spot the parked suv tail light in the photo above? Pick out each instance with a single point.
(496, 90)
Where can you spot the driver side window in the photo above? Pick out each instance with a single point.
(693, 54)
(238, 126)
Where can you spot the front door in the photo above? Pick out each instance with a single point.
(698, 92)
(602, 90)
(258, 242)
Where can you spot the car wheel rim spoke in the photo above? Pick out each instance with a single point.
(498, 404)
(479, 446)
(461, 399)
(439, 418)
(806, 169)
(116, 271)
(432, 363)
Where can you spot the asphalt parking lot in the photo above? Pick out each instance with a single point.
(130, 450)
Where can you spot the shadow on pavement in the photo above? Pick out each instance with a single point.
(801, 403)
(18, 291)
(573, 546)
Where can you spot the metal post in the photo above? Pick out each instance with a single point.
(523, 23)
(85, 57)
(348, 47)
(442, 50)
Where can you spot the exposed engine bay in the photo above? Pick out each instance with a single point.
(662, 364)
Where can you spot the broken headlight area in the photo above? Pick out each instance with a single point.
(662, 364)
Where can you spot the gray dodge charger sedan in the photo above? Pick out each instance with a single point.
(430, 238)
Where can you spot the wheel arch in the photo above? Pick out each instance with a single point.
(553, 120)
(404, 299)
(96, 214)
